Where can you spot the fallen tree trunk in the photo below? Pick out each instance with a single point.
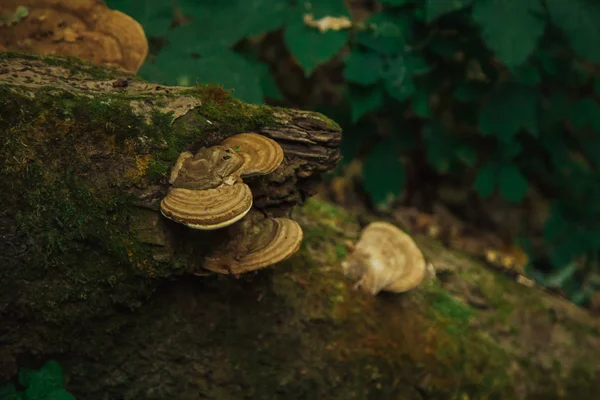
(85, 157)
(93, 276)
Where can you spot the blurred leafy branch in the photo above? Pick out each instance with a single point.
(502, 94)
(47, 383)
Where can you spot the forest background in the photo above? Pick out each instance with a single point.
(488, 107)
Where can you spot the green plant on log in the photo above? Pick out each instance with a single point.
(501, 93)
(47, 383)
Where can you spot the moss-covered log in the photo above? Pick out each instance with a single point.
(92, 276)
(84, 161)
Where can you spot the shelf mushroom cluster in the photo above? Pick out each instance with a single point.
(208, 192)
(385, 258)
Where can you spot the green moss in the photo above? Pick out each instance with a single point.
(322, 224)
(77, 66)
(454, 314)
(341, 251)
(72, 204)
(228, 115)
(331, 124)
(157, 170)
(583, 381)
(328, 212)
(74, 65)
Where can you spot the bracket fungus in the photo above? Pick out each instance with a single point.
(207, 209)
(261, 154)
(208, 168)
(208, 193)
(257, 245)
(84, 28)
(385, 258)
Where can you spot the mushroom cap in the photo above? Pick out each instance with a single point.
(178, 165)
(262, 155)
(207, 209)
(273, 240)
(82, 28)
(387, 259)
(208, 168)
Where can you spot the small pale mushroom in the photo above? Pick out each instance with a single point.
(208, 168)
(261, 154)
(268, 242)
(385, 258)
(207, 209)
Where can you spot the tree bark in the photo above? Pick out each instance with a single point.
(92, 275)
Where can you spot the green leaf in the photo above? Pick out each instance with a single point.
(585, 112)
(510, 28)
(218, 26)
(485, 181)
(383, 172)
(578, 19)
(352, 141)
(597, 87)
(444, 47)
(154, 16)
(508, 151)
(225, 68)
(263, 16)
(444, 148)
(571, 231)
(468, 92)
(397, 2)
(440, 147)
(582, 296)
(397, 79)
(151, 72)
(201, 38)
(324, 8)
(363, 68)
(562, 252)
(310, 47)
(591, 147)
(400, 89)
(509, 109)
(59, 394)
(8, 392)
(420, 104)
(386, 33)
(42, 381)
(416, 65)
(547, 60)
(527, 75)
(365, 100)
(232, 20)
(467, 154)
(267, 83)
(558, 107)
(437, 8)
(556, 224)
(558, 278)
(513, 185)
